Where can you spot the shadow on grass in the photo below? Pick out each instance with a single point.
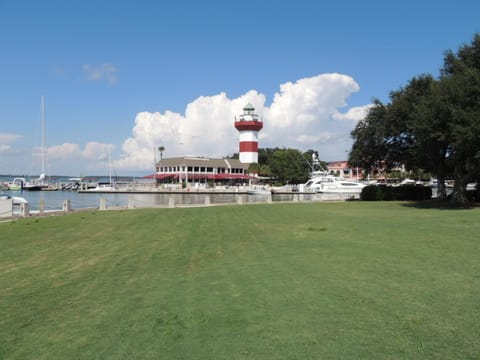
(440, 205)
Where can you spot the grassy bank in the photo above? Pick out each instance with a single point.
(284, 281)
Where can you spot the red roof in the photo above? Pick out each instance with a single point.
(248, 125)
(198, 176)
(160, 176)
(232, 176)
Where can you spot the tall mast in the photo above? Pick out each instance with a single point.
(110, 164)
(43, 135)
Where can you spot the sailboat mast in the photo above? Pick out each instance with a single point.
(110, 164)
(43, 135)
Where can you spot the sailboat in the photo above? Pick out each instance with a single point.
(106, 186)
(39, 184)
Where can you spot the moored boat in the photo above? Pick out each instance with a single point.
(321, 182)
(16, 184)
(36, 184)
(103, 187)
(259, 191)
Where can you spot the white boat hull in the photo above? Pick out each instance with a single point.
(329, 184)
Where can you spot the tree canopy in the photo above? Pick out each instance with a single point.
(285, 165)
(431, 124)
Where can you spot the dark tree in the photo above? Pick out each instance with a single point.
(418, 121)
(430, 124)
(289, 166)
(461, 91)
(283, 165)
(369, 146)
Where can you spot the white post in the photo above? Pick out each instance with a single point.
(269, 198)
(6, 207)
(24, 209)
(103, 204)
(67, 206)
(239, 198)
(131, 202)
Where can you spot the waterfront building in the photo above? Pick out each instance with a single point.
(342, 168)
(188, 170)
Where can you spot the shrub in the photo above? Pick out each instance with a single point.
(404, 192)
(376, 193)
(474, 195)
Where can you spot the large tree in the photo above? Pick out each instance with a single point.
(430, 124)
(369, 146)
(289, 166)
(461, 91)
(418, 135)
(284, 165)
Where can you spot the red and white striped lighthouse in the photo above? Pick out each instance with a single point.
(248, 126)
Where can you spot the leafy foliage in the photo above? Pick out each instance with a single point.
(289, 166)
(430, 124)
(403, 193)
(284, 165)
(369, 148)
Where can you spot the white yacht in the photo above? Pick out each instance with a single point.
(103, 187)
(322, 182)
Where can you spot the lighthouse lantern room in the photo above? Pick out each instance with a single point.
(248, 126)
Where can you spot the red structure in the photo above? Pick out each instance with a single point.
(342, 169)
(248, 126)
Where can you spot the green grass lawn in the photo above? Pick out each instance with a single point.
(346, 280)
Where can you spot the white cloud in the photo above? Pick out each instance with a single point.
(63, 151)
(320, 138)
(354, 114)
(311, 113)
(205, 129)
(72, 159)
(96, 151)
(304, 115)
(310, 99)
(103, 72)
(92, 151)
(6, 138)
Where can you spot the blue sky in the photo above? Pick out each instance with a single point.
(133, 75)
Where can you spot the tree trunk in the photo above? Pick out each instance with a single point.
(441, 189)
(459, 194)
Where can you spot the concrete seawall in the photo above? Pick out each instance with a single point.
(172, 199)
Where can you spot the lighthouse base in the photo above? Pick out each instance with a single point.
(248, 157)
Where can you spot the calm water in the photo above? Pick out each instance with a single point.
(54, 200)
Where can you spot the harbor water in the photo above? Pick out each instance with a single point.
(54, 200)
